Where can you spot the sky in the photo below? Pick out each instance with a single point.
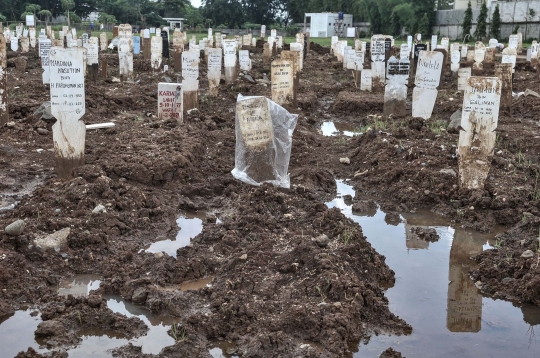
(196, 3)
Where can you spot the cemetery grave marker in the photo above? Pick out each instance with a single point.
(156, 45)
(293, 56)
(378, 68)
(503, 71)
(455, 59)
(32, 34)
(92, 57)
(395, 92)
(170, 105)
(215, 56)
(136, 45)
(67, 106)
(477, 139)
(44, 50)
(464, 51)
(103, 41)
(14, 43)
(125, 52)
(366, 80)
(245, 61)
(463, 76)
(263, 141)
(509, 56)
(25, 44)
(165, 45)
(282, 82)
(147, 45)
(230, 60)
(534, 54)
(428, 75)
(190, 83)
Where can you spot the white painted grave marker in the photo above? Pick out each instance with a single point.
(463, 76)
(428, 75)
(215, 59)
(67, 106)
(170, 105)
(477, 139)
(282, 82)
(44, 49)
(395, 91)
(245, 61)
(378, 56)
(230, 60)
(190, 83)
(156, 49)
(366, 81)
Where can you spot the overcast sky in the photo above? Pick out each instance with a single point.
(196, 3)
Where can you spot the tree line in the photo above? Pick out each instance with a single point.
(385, 16)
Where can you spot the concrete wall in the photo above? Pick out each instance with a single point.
(513, 13)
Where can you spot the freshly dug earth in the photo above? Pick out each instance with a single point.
(289, 277)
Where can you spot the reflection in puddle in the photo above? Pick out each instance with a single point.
(338, 128)
(196, 284)
(79, 285)
(99, 342)
(223, 349)
(17, 334)
(433, 292)
(189, 228)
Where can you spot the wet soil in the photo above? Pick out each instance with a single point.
(289, 276)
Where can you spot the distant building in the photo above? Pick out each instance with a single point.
(93, 16)
(475, 4)
(175, 22)
(327, 24)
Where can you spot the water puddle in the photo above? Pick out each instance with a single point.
(190, 226)
(196, 284)
(223, 349)
(17, 334)
(99, 343)
(338, 128)
(79, 285)
(433, 292)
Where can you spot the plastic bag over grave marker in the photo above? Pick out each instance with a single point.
(263, 141)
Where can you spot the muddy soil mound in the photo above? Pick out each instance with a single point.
(286, 267)
(285, 270)
(511, 270)
(320, 50)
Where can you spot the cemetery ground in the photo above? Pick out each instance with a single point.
(288, 276)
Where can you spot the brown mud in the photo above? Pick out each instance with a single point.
(285, 269)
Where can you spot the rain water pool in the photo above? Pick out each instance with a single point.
(433, 292)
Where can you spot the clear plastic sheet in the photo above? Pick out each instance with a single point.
(263, 141)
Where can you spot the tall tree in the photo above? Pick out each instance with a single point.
(46, 14)
(467, 21)
(481, 23)
(395, 24)
(68, 5)
(224, 12)
(496, 23)
(423, 26)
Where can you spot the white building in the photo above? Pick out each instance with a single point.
(174, 22)
(327, 24)
(475, 4)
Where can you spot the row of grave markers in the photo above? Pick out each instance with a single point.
(483, 96)
(481, 101)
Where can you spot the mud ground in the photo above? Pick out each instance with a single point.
(290, 276)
